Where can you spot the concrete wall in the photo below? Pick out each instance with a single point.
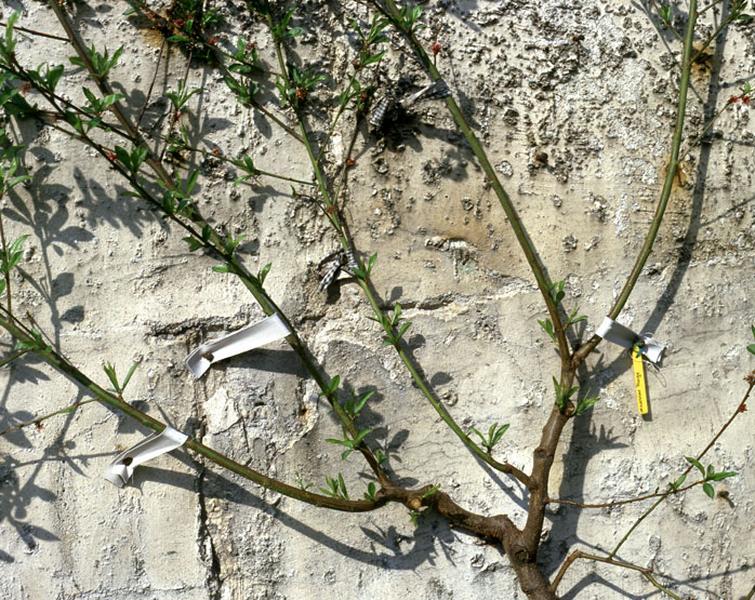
(592, 86)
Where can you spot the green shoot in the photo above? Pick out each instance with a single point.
(563, 395)
(102, 63)
(336, 487)
(495, 434)
(181, 96)
(371, 493)
(351, 444)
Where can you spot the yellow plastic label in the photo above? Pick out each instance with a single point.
(640, 384)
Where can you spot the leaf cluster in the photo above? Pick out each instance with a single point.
(247, 59)
(246, 164)
(563, 397)
(183, 16)
(181, 96)
(371, 493)
(494, 435)
(394, 325)
(299, 85)
(96, 105)
(409, 16)
(132, 159)
(557, 293)
(349, 443)
(363, 271)
(709, 475)
(11, 256)
(177, 200)
(102, 62)
(8, 41)
(12, 102)
(10, 163)
(354, 404)
(118, 387)
(46, 77)
(737, 13)
(35, 344)
(283, 30)
(336, 487)
(374, 36)
(244, 91)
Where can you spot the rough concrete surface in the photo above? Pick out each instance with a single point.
(575, 103)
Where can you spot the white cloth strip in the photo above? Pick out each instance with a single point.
(436, 90)
(122, 468)
(253, 336)
(616, 333)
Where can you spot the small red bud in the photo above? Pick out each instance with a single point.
(733, 99)
(436, 47)
(746, 100)
(742, 407)
(110, 155)
(350, 162)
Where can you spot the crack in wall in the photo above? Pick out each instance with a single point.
(207, 550)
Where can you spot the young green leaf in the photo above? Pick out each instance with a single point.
(181, 96)
(333, 385)
(361, 435)
(262, 274)
(722, 475)
(349, 444)
(557, 291)
(371, 492)
(404, 328)
(35, 343)
(8, 47)
(696, 463)
(563, 395)
(112, 376)
(13, 254)
(129, 374)
(585, 404)
(709, 491)
(194, 243)
(342, 487)
(431, 492)
(547, 326)
(574, 318)
(362, 401)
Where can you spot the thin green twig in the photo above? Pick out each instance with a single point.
(668, 184)
(6, 271)
(38, 420)
(528, 247)
(737, 411)
(215, 244)
(365, 284)
(59, 363)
